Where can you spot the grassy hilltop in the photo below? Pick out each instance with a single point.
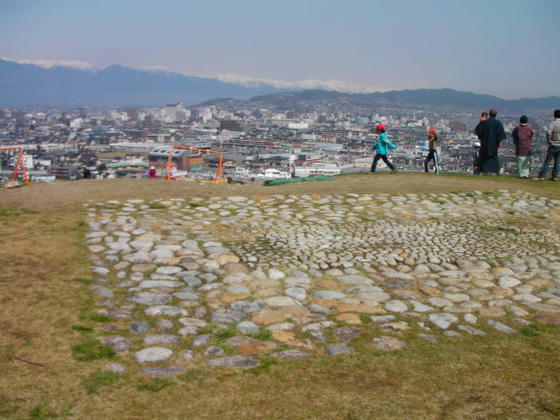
(53, 360)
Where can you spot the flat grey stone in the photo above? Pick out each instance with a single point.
(319, 309)
(428, 337)
(171, 339)
(379, 319)
(397, 284)
(291, 354)
(248, 327)
(119, 344)
(192, 281)
(238, 289)
(500, 327)
(376, 296)
(508, 282)
(355, 279)
(442, 320)
(102, 291)
(420, 307)
(154, 284)
(316, 326)
(389, 343)
(120, 314)
(186, 295)
(188, 355)
(165, 310)
(319, 335)
(139, 327)
(226, 316)
(153, 354)
(233, 362)
(329, 294)
(471, 330)
(214, 351)
(189, 330)
(298, 293)
(202, 340)
(164, 325)
(396, 306)
(164, 371)
(247, 306)
(347, 333)
(116, 368)
(100, 270)
(150, 299)
(339, 348)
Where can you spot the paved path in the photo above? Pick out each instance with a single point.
(225, 282)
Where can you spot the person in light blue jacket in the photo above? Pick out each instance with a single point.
(382, 149)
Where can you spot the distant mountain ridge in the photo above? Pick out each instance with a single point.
(434, 99)
(28, 84)
(32, 85)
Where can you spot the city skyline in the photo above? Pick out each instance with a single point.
(504, 48)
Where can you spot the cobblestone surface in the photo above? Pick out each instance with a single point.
(224, 281)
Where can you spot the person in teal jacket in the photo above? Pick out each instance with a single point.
(382, 149)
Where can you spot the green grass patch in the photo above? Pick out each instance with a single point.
(86, 282)
(194, 375)
(99, 317)
(42, 411)
(89, 349)
(156, 206)
(155, 385)
(262, 335)
(81, 328)
(194, 205)
(225, 333)
(97, 380)
(530, 331)
(264, 366)
(8, 213)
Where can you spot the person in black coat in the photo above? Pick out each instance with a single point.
(491, 133)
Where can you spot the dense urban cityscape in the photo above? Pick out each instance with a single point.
(257, 143)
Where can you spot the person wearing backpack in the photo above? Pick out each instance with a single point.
(553, 152)
(382, 149)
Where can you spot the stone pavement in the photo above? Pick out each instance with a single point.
(226, 281)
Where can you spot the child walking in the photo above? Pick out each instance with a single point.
(382, 149)
(432, 153)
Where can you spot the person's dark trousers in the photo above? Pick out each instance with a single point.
(431, 156)
(551, 153)
(385, 159)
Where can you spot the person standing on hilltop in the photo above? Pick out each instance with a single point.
(432, 151)
(522, 137)
(553, 152)
(476, 145)
(483, 117)
(382, 149)
(491, 133)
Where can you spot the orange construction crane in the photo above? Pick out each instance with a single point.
(169, 167)
(23, 171)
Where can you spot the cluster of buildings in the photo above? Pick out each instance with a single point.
(255, 143)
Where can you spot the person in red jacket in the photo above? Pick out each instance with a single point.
(522, 137)
(153, 173)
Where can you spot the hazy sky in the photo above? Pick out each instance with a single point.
(503, 47)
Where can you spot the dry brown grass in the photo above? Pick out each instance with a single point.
(42, 251)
